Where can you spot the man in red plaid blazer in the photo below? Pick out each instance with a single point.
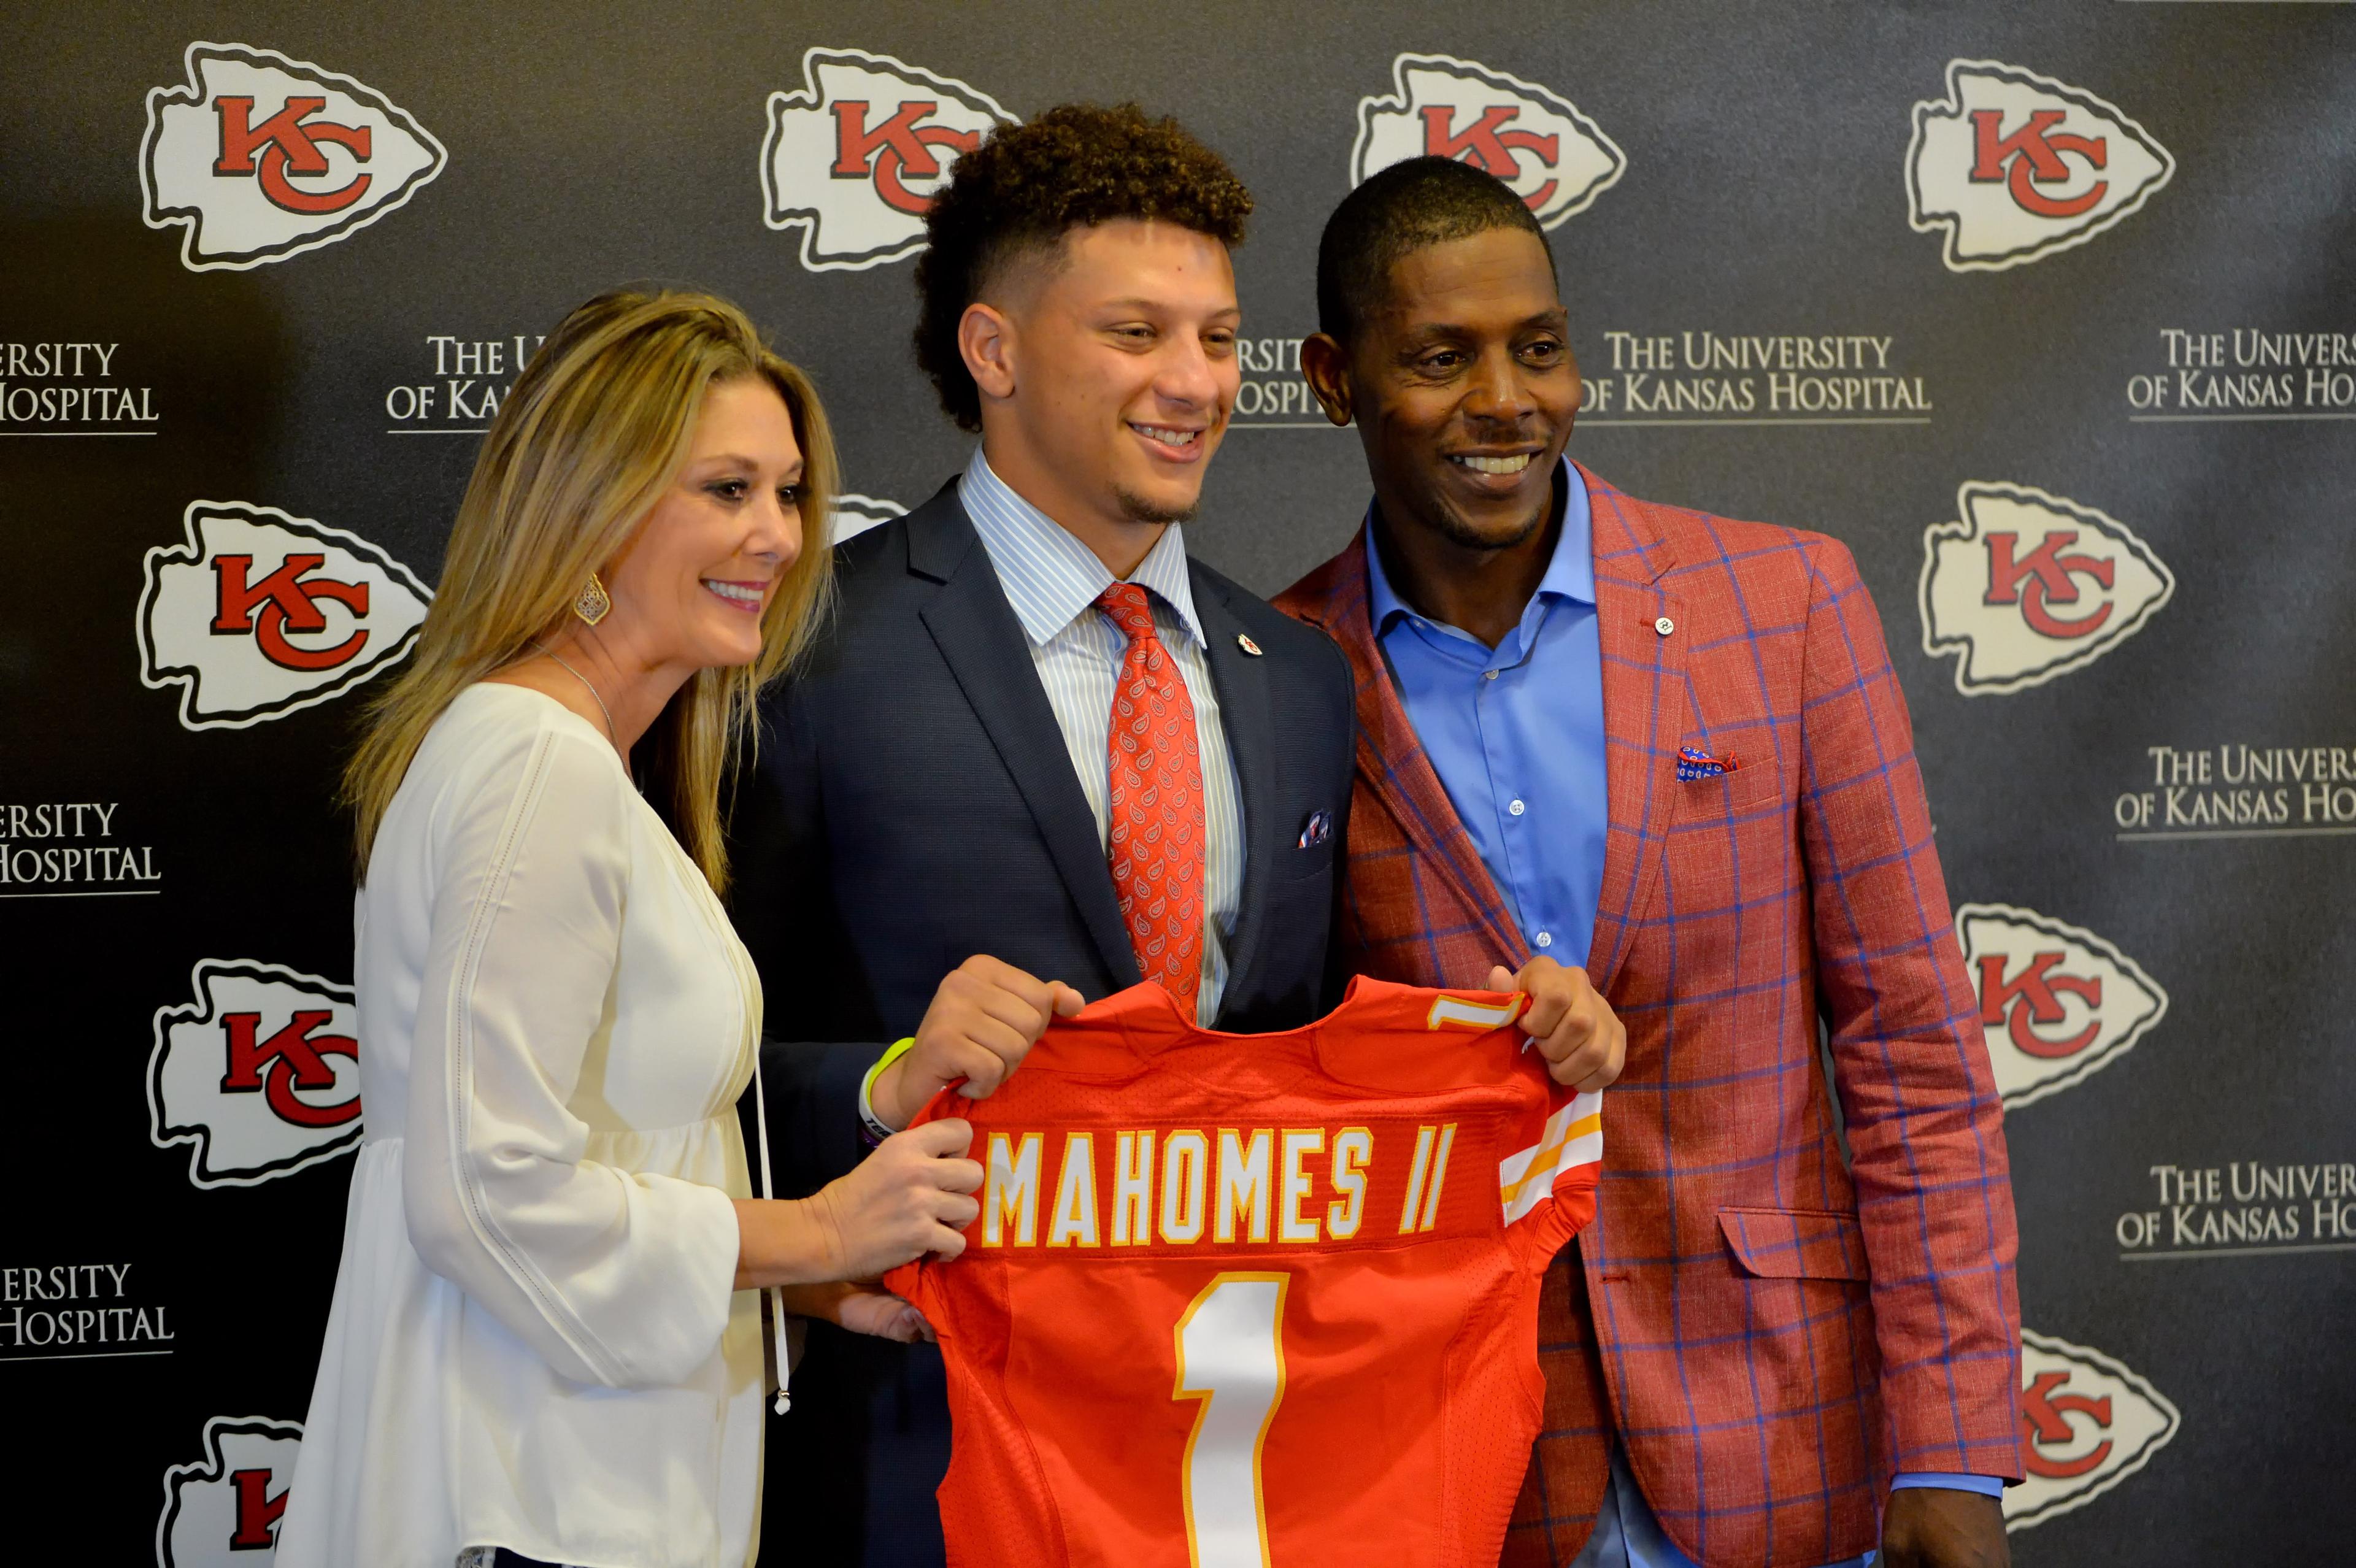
(1762, 1352)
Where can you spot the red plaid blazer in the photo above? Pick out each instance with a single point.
(1771, 1330)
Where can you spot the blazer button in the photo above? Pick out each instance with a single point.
(1664, 625)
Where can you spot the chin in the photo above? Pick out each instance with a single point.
(1162, 503)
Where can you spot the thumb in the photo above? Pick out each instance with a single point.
(1068, 1002)
(1501, 979)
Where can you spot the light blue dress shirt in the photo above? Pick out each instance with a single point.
(1515, 733)
(1052, 580)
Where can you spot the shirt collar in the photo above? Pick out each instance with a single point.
(1050, 577)
(1570, 574)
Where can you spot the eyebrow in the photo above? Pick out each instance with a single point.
(1432, 329)
(738, 460)
(1139, 302)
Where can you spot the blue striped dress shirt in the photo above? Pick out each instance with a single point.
(1052, 580)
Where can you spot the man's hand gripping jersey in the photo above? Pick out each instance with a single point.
(1240, 1300)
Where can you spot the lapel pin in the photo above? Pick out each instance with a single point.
(1245, 643)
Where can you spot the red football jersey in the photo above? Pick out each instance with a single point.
(1236, 1300)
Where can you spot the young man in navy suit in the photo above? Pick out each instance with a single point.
(944, 778)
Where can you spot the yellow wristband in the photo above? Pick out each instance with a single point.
(899, 1048)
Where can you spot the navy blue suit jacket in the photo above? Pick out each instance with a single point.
(914, 804)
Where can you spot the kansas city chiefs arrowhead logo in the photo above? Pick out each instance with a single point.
(263, 158)
(855, 158)
(260, 613)
(2028, 586)
(2086, 1424)
(2057, 1001)
(261, 1073)
(222, 1511)
(1556, 158)
(854, 515)
(2015, 165)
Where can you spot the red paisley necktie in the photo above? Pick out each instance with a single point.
(1155, 770)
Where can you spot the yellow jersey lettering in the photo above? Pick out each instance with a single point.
(1413, 1207)
(1132, 1189)
(1438, 1175)
(1010, 1191)
(1292, 1227)
(1353, 1148)
(1243, 1185)
(1186, 1167)
(1076, 1194)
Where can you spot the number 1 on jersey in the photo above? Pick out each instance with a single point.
(1231, 1357)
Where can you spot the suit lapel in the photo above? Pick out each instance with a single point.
(1244, 712)
(1644, 703)
(982, 642)
(1391, 761)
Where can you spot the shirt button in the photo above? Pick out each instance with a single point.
(1517, 808)
(1488, 675)
(1546, 939)
(1664, 625)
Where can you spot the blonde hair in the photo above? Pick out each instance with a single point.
(595, 431)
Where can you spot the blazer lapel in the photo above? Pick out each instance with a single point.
(1644, 703)
(1244, 713)
(983, 644)
(1391, 761)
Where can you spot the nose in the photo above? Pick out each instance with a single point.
(1185, 374)
(776, 535)
(1498, 390)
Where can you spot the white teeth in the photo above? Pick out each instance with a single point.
(1163, 434)
(1513, 464)
(732, 590)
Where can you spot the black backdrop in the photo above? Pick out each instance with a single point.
(2042, 308)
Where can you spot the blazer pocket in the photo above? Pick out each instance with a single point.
(1752, 784)
(1796, 1243)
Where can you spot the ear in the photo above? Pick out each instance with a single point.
(986, 339)
(1325, 364)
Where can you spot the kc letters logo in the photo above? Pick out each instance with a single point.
(2086, 1424)
(855, 158)
(264, 157)
(2057, 1001)
(1556, 158)
(261, 1073)
(2028, 586)
(2015, 165)
(223, 1511)
(260, 613)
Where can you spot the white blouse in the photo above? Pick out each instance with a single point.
(535, 1343)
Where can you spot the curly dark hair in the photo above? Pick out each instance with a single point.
(1025, 186)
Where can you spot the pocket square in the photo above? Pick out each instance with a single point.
(1320, 829)
(1695, 764)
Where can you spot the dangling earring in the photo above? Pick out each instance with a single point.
(593, 604)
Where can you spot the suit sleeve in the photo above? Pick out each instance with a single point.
(611, 1276)
(783, 908)
(1925, 1130)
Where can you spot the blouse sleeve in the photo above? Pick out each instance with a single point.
(611, 1276)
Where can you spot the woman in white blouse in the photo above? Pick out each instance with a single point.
(546, 1343)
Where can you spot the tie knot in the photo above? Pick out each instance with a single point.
(1126, 603)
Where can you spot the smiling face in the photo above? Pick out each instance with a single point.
(1462, 386)
(689, 589)
(1107, 375)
